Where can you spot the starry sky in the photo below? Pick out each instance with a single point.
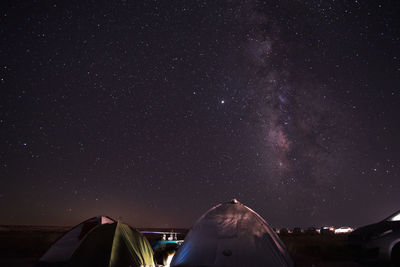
(154, 111)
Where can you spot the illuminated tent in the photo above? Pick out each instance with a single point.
(231, 234)
(110, 244)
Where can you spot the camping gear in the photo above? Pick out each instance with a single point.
(61, 251)
(110, 244)
(231, 234)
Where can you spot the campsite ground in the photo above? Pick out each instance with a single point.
(23, 245)
(323, 250)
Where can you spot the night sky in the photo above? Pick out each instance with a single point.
(154, 111)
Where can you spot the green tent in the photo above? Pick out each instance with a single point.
(113, 245)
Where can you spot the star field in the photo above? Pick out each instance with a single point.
(153, 112)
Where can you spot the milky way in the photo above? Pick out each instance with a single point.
(153, 112)
(296, 119)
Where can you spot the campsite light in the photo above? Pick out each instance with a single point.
(396, 218)
(169, 259)
(344, 230)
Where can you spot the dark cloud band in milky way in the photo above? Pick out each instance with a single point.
(298, 117)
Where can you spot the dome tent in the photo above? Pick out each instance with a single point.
(112, 244)
(231, 234)
(61, 251)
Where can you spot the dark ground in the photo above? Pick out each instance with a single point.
(319, 250)
(23, 245)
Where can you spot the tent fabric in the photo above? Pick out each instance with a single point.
(113, 245)
(128, 240)
(231, 234)
(62, 250)
(110, 245)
